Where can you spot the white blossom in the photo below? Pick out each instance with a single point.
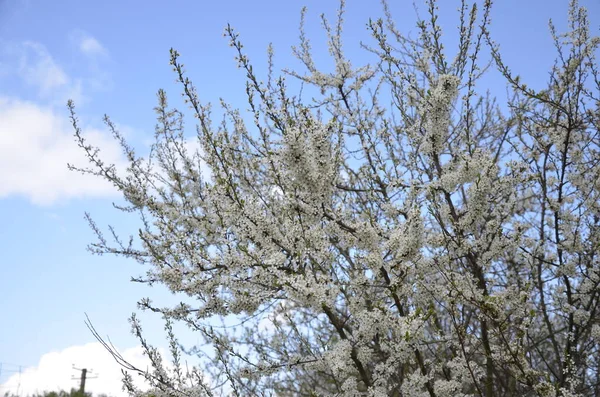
(438, 246)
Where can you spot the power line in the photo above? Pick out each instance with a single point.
(4, 363)
(19, 370)
(3, 366)
(7, 370)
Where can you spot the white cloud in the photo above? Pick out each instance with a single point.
(55, 371)
(91, 46)
(36, 145)
(88, 44)
(36, 141)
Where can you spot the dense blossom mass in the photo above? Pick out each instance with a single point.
(400, 234)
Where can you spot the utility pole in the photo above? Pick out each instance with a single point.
(82, 384)
(82, 378)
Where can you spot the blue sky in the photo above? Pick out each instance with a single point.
(111, 57)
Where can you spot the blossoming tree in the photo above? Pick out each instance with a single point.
(400, 235)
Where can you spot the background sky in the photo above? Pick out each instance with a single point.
(111, 57)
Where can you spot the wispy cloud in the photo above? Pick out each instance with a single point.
(32, 64)
(96, 57)
(91, 46)
(88, 44)
(58, 221)
(39, 69)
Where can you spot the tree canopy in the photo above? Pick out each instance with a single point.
(402, 234)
